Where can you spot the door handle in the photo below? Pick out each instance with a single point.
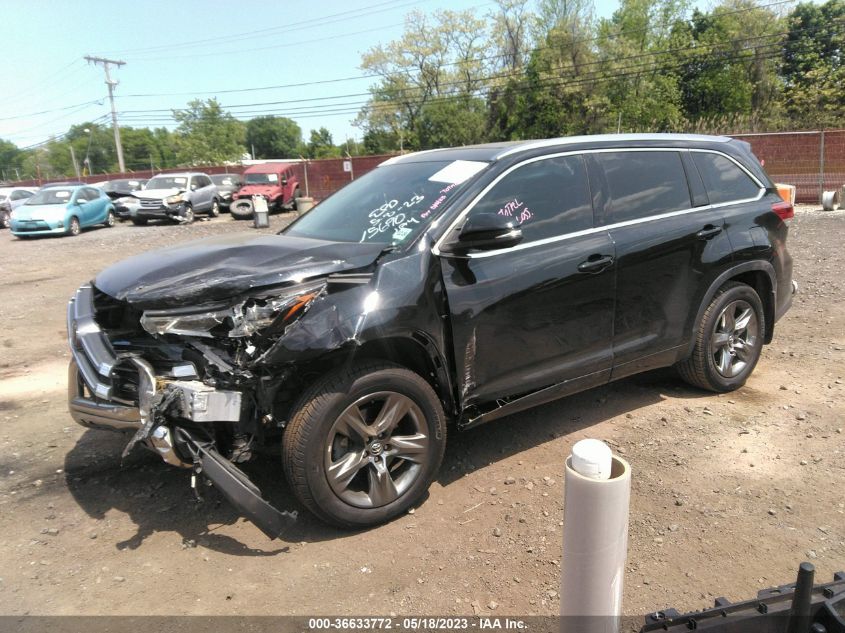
(595, 264)
(708, 231)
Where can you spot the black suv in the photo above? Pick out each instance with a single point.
(449, 286)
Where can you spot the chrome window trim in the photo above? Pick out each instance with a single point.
(597, 229)
(605, 138)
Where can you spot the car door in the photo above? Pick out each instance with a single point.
(539, 313)
(669, 242)
(205, 191)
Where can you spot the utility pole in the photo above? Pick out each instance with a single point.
(75, 164)
(111, 84)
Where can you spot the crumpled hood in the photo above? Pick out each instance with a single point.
(158, 194)
(218, 268)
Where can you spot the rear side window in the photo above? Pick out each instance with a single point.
(546, 198)
(642, 184)
(724, 180)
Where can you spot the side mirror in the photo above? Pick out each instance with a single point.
(484, 232)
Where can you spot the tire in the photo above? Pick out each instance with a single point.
(296, 194)
(5, 219)
(728, 341)
(110, 220)
(214, 212)
(139, 221)
(380, 484)
(74, 228)
(241, 209)
(187, 213)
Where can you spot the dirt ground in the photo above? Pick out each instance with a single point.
(729, 493)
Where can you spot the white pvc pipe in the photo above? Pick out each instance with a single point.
(597, 492)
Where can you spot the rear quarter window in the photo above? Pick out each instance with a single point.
(642, 184)
(724, 180)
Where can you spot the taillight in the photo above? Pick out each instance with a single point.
(784, 210)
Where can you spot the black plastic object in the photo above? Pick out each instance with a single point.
(237, 488)
(801, 607)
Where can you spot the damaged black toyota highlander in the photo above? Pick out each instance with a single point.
(455, 285)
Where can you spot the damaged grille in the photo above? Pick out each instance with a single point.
(151, 203)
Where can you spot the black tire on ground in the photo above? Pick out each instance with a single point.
(296, 194)
(139, 221)
(241, 209)
(110, 219)
(187, 213)
(338, 464)
(74, 227)
(728, 340)
(215, 209)
(5, 219)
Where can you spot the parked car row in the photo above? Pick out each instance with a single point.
(68, 207)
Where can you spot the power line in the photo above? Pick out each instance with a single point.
(301, 25)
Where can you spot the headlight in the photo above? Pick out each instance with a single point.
(177, 199)
(278, 309)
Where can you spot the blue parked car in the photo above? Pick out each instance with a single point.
(62, 209)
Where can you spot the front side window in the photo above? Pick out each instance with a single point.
(643, 184)
(546, 198)
(390, 205)
(724, 180)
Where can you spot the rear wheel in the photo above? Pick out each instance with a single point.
(729, 340)
(110, 219)
(364, 444)
(74, 227)
(296, 194)
(5, 219)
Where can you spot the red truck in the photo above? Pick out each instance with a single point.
(278, 183)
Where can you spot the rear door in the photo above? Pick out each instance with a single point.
(669, 243)
(539, 313)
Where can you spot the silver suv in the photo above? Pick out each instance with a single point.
(176, 197)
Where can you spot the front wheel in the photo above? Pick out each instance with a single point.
(187, 214)
(728, 342)
(5, 219)
(215, 209)
(74, 227)
(364, 444)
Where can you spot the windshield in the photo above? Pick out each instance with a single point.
(391, 204)
(167, 182)
(225, 181)
(51, 196)
(261, 179)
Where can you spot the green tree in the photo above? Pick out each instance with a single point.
(273, 137)
(439, 56)
(455, 121)
(207, 135)
(813, 65)
(321, 145)
(10, 159)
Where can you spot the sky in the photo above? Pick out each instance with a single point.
(178, 50)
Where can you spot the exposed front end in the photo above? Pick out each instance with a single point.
(120, 379)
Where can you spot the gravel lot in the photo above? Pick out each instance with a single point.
(729, 493)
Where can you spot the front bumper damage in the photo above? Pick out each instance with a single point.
(93, 403)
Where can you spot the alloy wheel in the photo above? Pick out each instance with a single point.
(734, 340)
(376, 449)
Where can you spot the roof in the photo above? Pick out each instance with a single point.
(267, 168)
(496, 151)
